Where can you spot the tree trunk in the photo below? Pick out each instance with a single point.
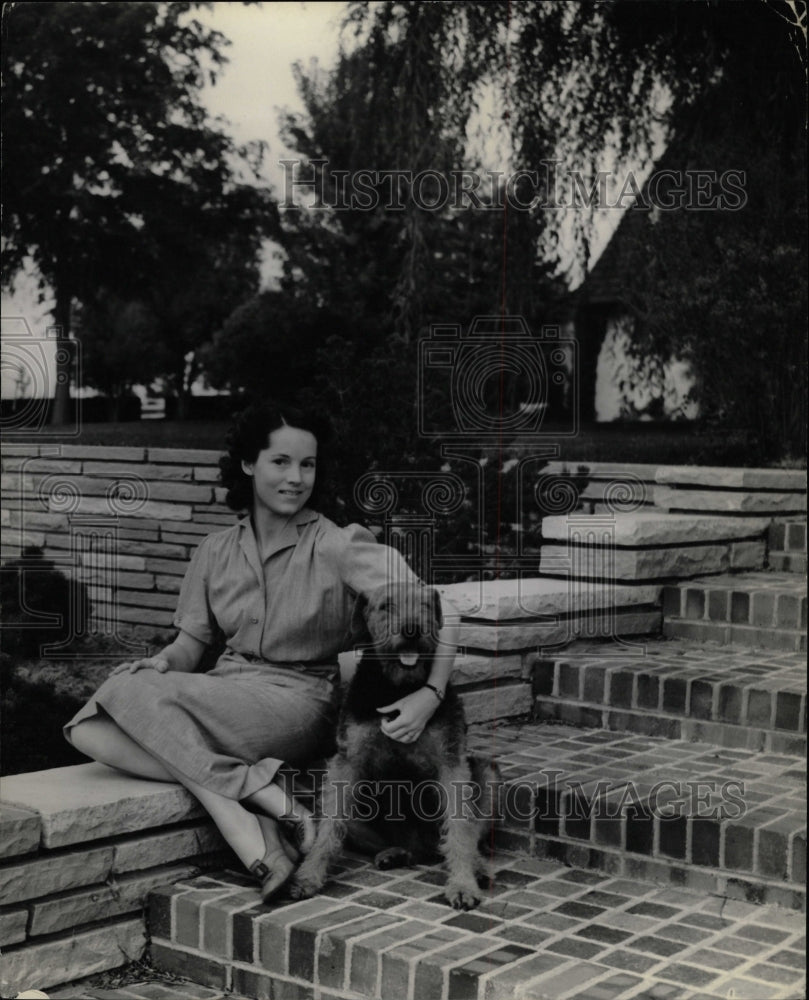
(61, 413)
(591, 326)
(182, 403)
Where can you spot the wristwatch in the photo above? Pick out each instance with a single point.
(439, 694)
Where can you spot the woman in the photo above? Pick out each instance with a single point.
(280, 585)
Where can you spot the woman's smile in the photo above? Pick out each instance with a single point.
(284, 472)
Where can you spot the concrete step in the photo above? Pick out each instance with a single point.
(679, 690)
(765, 610)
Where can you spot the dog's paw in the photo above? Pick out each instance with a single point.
(302, 887)
(393, 857)
(462, 896)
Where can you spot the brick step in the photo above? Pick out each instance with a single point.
(788, 535)
(776, 639)
(787, 547)
(543, 930)
(765, 610)
(787, 562)
(681, 691)
(572, 907)
(728, 821)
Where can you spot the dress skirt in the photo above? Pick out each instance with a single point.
(229, 729)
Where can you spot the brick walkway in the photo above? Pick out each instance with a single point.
(546, 930)
(557, 933)
(735, 697)
(646, 903)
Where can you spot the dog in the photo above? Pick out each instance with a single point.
(402, 802)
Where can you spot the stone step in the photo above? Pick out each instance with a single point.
(680, 691)
(615, 488)
(736, 501)
(728, 821)
(618, 905)
(767, 610)
(645, 546)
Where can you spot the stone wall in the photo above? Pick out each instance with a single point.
(122, 520)
(625, 487)
(82, 848)
(126, 520)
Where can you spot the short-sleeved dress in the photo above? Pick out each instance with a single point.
(270, 698)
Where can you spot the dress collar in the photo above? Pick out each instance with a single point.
(288, 537)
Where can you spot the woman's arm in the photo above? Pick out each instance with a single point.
(183, 654)
(416, 709)
(446, 649)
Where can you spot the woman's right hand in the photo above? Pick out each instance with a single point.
(158, 663)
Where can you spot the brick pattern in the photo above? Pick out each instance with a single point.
(543, 930)
(787, 547)
(731, 821)
(765, 610)
(732, 697)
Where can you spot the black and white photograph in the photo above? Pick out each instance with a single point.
(403, 569)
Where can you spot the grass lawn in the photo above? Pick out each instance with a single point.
(669, 444)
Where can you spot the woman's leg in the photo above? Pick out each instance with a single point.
(250, 836)
(274, 801)
(101, 739)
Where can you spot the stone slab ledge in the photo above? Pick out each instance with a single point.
(652, 529)
(717, 477)
(92, 801)
(496, 600)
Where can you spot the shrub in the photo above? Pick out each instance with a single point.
(33, 715)
(40, 605)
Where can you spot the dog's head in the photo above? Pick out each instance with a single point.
(403, 621)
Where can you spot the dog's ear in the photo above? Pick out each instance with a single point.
(358, 625)
(439, 614)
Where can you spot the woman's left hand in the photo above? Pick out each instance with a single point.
(414, 712)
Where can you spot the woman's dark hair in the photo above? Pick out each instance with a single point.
(250, 434)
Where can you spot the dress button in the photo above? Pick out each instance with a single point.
(254, 621)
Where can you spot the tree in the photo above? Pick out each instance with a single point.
(384, 267)
(267, 346)
(121, 344)
(103, 123)
(597, 85)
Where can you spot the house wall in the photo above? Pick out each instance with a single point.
(643, 386)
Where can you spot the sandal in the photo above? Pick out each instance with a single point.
(273, 870)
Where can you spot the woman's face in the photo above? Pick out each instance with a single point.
(284, 472)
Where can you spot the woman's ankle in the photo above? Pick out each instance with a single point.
(301, 830)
